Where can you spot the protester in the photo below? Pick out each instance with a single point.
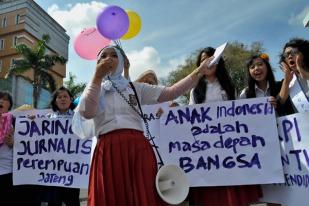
(6, 151)
(62, 106)
(302, 66)
(148, 77)
(123, 167)
(294, 58)
(261, 83)
(216, 85)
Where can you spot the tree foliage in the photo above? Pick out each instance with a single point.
(75, 88)
(41, 63)
(235, 55)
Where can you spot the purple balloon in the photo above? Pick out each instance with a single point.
(113, 22)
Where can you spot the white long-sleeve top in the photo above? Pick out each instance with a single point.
(214, 93)
(118, 114)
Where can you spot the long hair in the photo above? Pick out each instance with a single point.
(199, 92)
(250, 91)
(55, 95)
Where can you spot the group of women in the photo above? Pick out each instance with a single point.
(33, 195)
(124, 166)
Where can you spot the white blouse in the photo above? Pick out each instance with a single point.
(258, 92)
(118, 114)
(214, 93)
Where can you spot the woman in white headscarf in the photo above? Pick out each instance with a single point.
(148, 77)
(123, 167)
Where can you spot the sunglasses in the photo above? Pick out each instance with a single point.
(292, 52)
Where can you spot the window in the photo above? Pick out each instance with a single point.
(17, 19)
(23, 94)
(1, 44)
(15, 38)
(4, 22)
(12, 62)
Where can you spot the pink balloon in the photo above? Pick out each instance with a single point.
(89, 42)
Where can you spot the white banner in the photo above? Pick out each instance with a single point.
(221, 143)
(46, 152)
(293, 131)
(298, 96)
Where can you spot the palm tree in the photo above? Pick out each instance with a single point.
(41, 63)
(75, 88)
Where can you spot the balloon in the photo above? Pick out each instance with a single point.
(89, 42)
(113, 22)
(76, 101)
(134, 26)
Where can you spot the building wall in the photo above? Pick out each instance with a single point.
(33, 23)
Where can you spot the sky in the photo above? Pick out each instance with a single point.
(173, 29)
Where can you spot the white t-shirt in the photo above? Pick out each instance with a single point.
(118, 114)
(214, 93)
(6, 159)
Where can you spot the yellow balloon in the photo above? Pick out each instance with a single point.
(135, 24)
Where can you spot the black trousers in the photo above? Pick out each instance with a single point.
(6, 188)
(18, 194)
(55, 196)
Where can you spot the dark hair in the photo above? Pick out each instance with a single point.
(199, 92)
(250, 91)
(302, 46)
(6, 94)
(55, 95)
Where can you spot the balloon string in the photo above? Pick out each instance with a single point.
(118, 43)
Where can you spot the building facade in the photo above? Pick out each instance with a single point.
(24, 21)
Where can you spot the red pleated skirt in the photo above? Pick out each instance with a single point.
(123, 171)
(225, 196)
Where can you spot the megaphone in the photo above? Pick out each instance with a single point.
(172, 184)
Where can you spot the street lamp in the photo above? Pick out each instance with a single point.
(306, 20)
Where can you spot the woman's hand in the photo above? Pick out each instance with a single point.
(272, 100)
(8, 139)
(288, 76)
(205, 65)
(159, 112)
(104, 67)
(202, 69)
(300, 66)
(288, 73)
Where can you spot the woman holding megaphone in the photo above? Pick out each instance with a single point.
(124, 168)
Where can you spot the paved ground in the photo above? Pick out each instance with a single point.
(83, 197)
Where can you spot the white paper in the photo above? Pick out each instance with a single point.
(218, 53)
(176, 142)
(293, 130)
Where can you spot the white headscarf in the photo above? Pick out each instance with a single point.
(85, 127)
(120, 82)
